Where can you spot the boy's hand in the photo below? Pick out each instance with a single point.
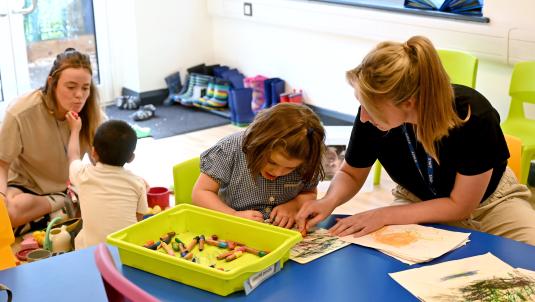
(74, 121)
(250, 214)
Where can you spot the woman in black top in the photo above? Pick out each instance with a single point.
(441, 144)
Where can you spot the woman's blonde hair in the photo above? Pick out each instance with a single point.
(396, 72)
(91, 113)
(292, 129)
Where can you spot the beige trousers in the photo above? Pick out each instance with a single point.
(507, 212)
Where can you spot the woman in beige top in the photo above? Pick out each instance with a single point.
(34, 137)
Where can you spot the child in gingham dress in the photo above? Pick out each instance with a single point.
(268, 171)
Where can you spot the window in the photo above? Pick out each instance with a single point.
(398, 6)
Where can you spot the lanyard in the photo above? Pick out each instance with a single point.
(429, 162)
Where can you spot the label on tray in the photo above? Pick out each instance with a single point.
(260, 277)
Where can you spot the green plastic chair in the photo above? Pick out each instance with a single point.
(522, 90)
(185, 175)
(461, 68)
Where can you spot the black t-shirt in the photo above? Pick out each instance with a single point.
(475, 147)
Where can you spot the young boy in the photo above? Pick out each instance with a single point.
(111, 197)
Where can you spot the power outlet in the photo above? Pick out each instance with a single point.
(247, 9)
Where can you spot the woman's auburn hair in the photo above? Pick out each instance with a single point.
(293, 129)
(91, 112)
(396, 72)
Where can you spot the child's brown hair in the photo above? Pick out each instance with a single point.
(291, 128)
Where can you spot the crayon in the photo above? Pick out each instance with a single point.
(154, 246)
(234, 256)
(192, 244)
(167, 237)
(175, 247)
(167, 248)
(201, 242)
(220, 244)
(188, 256)
(181, 246)
(224, 255)
(255, 251)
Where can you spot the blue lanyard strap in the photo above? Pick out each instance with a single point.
(415, 159)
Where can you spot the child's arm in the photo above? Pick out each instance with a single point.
(205, 195)
(139, 216)
(283, 215)
(75, 123)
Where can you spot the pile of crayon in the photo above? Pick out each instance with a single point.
(234, 249)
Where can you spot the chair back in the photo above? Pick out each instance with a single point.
(522, 88)
(522, 91)
(7, 259)
(514, 144)
(460, 66)
(118, 287)
(185, 176)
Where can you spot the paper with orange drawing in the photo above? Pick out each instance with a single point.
(412, 243)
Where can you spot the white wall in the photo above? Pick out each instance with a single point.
(311, 44)
(152, 39)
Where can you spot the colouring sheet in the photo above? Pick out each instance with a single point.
(478, 278)
(411, 243)
(316, 244)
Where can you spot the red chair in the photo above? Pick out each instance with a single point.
(118, 287)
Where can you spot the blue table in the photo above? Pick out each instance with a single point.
(352, 273)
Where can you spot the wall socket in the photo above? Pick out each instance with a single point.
(247, 9)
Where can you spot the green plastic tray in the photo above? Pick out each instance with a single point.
(188, 221)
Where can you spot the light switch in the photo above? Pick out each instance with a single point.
(247, 9)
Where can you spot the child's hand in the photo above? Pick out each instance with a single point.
(250, 214)
(284, 215)
(74, 121)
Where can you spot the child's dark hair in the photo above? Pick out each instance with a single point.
(115, 142)
(291, 128)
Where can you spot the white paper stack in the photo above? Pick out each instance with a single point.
(412, 243)
(479, 278)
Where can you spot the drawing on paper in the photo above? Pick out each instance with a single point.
(479, 278)
(315, 245)
(395, 238)
(513, 287)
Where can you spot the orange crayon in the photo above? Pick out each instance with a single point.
(235, 255)
(255, 251)
(192, 244)
(224, 255)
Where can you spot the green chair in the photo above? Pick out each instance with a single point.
(185, 175)
(461, 68)
(522, 90)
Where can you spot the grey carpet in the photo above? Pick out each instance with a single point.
(171, 120)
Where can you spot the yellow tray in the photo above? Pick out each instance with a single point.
(188, 221)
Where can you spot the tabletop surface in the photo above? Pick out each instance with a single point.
(353, 273)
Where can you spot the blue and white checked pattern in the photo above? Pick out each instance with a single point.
(225, 162)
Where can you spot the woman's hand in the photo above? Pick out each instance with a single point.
(312, 213)
(283, 215)
(250, 214)
(360, 224)
(74, 121)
